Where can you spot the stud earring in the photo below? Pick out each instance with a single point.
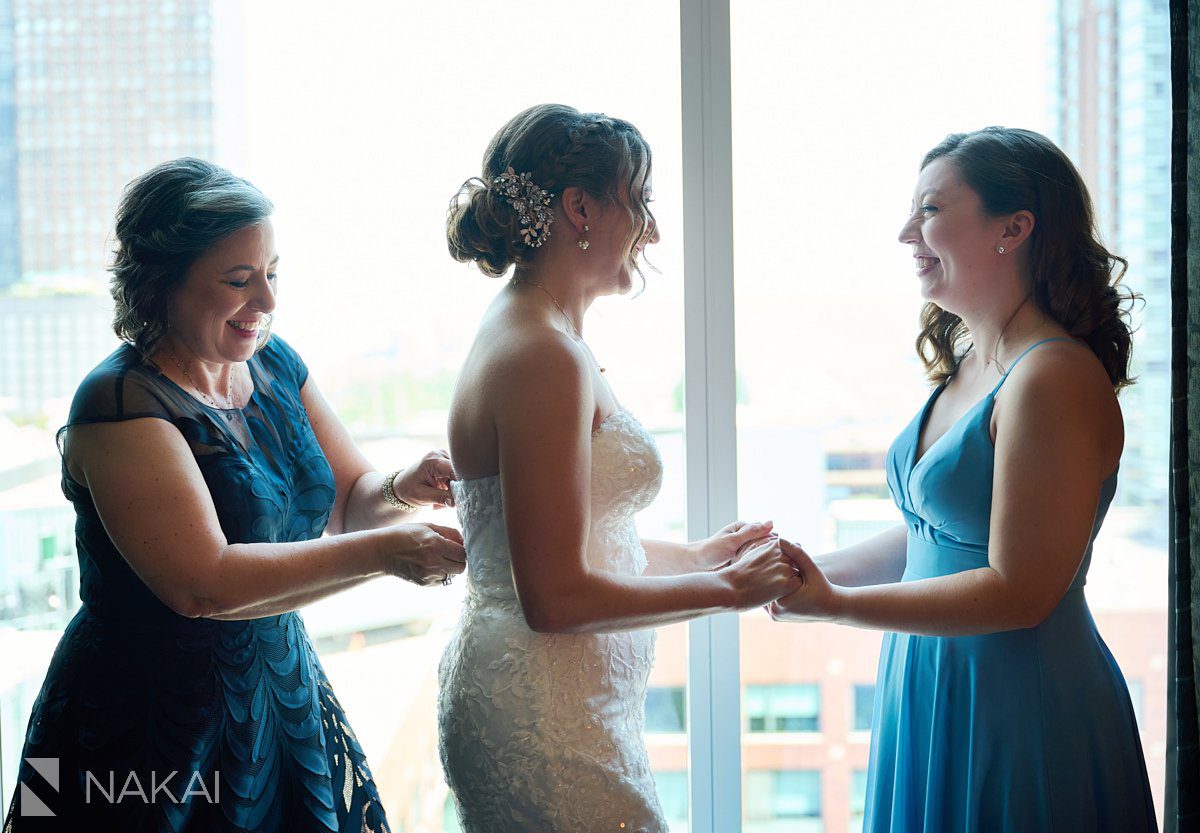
(583, 244)
(1000, 249)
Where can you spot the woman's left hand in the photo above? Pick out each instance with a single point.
(426, 481)
(816, 601)
(728, 543)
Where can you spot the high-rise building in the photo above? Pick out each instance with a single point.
(10, 240)
(103, 92)
(1109, 98)
(48, 343)
(91, 96)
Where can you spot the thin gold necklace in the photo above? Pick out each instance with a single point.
(192, 382)
(570, 323)
(995, 350)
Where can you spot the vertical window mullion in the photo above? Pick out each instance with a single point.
(714, 717)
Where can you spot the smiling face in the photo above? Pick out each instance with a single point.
(953, 239)
(227, 296)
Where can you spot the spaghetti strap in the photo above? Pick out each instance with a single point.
(1028, 349)
(1024, 353)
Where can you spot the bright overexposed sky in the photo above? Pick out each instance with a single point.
(360, 123)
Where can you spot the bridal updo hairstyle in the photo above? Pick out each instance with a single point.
(167, 218)
(559, 147)
(1074, 278)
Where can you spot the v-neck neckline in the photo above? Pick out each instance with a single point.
(916, 458)
(923, 417)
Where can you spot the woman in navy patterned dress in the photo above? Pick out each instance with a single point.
(204, 466)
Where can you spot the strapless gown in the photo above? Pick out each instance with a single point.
(1021, 731)
(543, 732)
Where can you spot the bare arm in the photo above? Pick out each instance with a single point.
(878, 560)
(156, 508)
(544, 433)
(359, 504)
(1059, 437)
(668, 558)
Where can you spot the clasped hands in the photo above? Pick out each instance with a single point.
(770, 571)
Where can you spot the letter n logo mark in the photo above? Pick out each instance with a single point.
(31, 805)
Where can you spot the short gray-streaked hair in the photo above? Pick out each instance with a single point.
(168, 218)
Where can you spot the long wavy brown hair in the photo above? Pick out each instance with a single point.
(1074, 279)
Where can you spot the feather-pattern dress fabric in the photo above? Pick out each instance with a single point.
(240, 711)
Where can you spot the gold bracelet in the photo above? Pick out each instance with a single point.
(390, 496)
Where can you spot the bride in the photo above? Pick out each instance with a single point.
(541, 708)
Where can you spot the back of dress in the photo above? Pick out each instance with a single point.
(544, 731)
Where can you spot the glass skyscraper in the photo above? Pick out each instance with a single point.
(10, 235)
(91, 96)
(1109, 98)
(103, 92)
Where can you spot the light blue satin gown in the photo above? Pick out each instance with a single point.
(1024, 730)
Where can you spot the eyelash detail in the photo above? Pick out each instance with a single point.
(243, 284)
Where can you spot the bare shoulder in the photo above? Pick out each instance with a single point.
(1063, 387)
(132, 442)
(535, 370)
(1064, 371)
(519, 378)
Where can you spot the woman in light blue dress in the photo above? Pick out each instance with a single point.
(998, 706)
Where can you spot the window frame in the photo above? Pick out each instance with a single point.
(710, 435)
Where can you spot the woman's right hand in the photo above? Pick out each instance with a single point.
(761, 574)
(424, 554)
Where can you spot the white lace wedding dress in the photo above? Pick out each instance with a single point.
(542, 733)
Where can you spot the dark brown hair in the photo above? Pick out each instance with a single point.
(1074, 279)
(168, 217)
(559, 147)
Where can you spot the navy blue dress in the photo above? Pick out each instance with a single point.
(241, 711)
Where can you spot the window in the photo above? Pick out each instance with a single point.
(864, 706)
(783, 800)
(368, 295)
(823, 291)
(783, 708)
(665, 710)
(672, 788)
(825, 375)
(858, 799)
(1137, 695)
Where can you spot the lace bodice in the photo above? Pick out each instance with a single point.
(626, 475)
(543, 732)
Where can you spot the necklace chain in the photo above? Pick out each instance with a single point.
(570, 323)
(996, 349)
(192, 382)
